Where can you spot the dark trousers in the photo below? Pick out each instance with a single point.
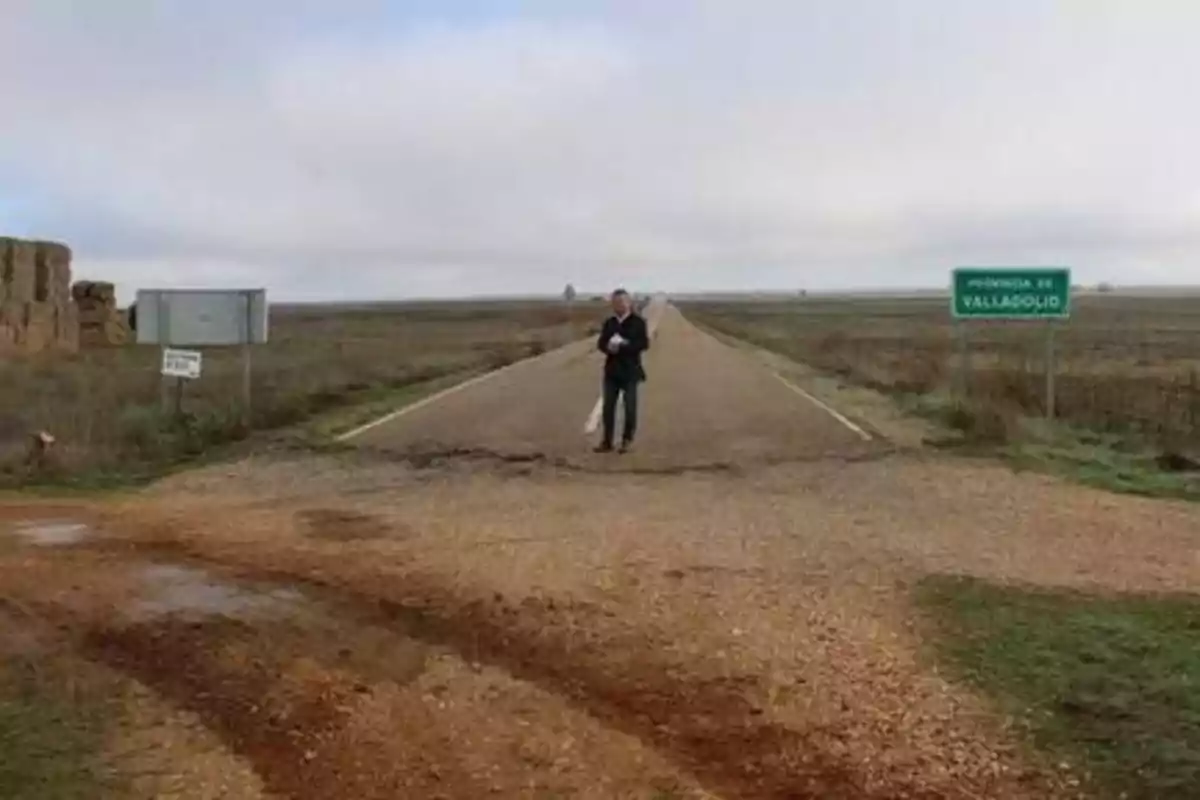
(628, 389)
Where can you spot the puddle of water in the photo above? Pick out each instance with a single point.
(52, 532)
(172, 589)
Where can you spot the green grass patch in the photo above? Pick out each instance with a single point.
(1111, 683)
(1104, 467)
(1110, 461)
(49, 742)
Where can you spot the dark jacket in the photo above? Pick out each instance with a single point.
(626, 364)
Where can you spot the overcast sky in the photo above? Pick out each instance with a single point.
(353, 149)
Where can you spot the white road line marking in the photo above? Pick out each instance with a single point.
(436, 396)
(593, 420)
(833, 412)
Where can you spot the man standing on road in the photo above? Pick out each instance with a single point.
(623, 339)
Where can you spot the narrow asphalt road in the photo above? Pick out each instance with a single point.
(704, 404)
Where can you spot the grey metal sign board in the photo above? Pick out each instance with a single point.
(202, 317)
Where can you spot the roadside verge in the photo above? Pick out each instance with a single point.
(937, 421)
(875, 415)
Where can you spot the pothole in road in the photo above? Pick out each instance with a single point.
(52, 532)
(170, 589)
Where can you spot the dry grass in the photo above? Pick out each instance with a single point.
(1126, 365)
(106, 409)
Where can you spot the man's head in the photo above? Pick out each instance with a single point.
(622, 303)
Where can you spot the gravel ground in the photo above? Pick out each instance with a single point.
(723, 613)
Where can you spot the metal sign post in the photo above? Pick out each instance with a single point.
(183, 366)
(1006, 293)
(248, 364)
(206, 318)
(963, 368)
(1051, 369)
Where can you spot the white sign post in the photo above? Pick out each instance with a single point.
(182, 365)
(205, 318)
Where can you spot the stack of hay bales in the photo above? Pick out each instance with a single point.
(52, 321)
(16, 289)
(101, 323)
(36, 312)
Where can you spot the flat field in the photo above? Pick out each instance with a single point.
(466, 602)
(105, 408)
(1125, 365)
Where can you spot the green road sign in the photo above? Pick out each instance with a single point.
(1011, 293)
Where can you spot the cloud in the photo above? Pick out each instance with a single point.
(489, 146)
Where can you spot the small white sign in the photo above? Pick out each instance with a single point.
(181, 363)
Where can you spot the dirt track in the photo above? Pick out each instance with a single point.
(477, 606)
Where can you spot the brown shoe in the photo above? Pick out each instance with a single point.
(602, 448)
